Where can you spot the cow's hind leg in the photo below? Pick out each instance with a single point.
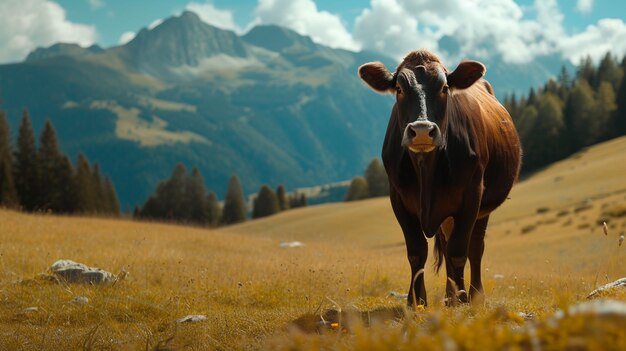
(476, 249)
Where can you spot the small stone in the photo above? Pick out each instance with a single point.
(398, 296)
(290, 244)
(192, 318)
(80, 300)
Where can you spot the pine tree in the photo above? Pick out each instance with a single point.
(281, 194)
(619, 117)
(172, 195)
(234, 206)
(543, 142)
(110, 198)
(527, 120)
(86, 194)
(581, 124)
(215, 211)
(358, 189)
(565, 83)
(608, 71)
(266, 203)
(26, 170)
(376, 178)
(51, 196)
(196, 201)
(68, 188)
(8, 194)
(586, 71)
(98, 189)
(605, 107)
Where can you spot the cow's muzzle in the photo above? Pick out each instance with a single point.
(422, 136)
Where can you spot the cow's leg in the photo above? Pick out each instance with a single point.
(476, 249)
(416, 248)
(458, 245)
(441, 244)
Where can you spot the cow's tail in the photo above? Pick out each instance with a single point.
(440, 246)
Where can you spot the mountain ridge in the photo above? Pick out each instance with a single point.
(289, 111)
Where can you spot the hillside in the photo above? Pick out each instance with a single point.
(353, 256)
(270, 106)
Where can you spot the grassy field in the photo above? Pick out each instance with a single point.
(546, 250)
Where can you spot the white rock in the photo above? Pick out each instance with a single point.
(290, 244)
(80, 300)
(74, 272)
(192, 318)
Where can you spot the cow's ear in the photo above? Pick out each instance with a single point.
(377, 76)
(466, 74)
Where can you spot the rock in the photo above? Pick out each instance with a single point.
(398, 296)
(80, 300)
(620, 283)
(605, 309)
(290, 244)
(192, 318)
(74, 272)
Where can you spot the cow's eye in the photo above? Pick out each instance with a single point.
(398, 90)
(445, 89)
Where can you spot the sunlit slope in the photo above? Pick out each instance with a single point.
(594, 172)
(369, 223)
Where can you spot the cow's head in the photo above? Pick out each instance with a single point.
(422, 86)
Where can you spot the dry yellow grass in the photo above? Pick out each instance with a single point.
(250, 289)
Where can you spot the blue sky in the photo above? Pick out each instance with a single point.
(519, 31)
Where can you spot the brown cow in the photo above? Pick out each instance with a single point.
(452, 155)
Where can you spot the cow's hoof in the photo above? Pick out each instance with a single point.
(460, 298)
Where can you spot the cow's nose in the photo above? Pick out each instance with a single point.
(422, 130)
(421, 136)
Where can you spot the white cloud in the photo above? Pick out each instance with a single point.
(304, 17)
(214, 16)
(34, 23)
(126, 37)
(96, 4)
(584, 6)
(481, 28)
(607, 35)
(386, 28)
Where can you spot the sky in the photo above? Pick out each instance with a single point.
(516, 30)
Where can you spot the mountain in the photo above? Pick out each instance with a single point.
(185, 91)
(270, 106)
(63, 49)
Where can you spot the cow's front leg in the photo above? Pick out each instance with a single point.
(458, 245)
(417, 251)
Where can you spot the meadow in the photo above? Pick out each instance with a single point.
(546, 250)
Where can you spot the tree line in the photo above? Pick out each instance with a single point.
(570, 113)
(43, 178)
(373, 183)
(184, 198)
